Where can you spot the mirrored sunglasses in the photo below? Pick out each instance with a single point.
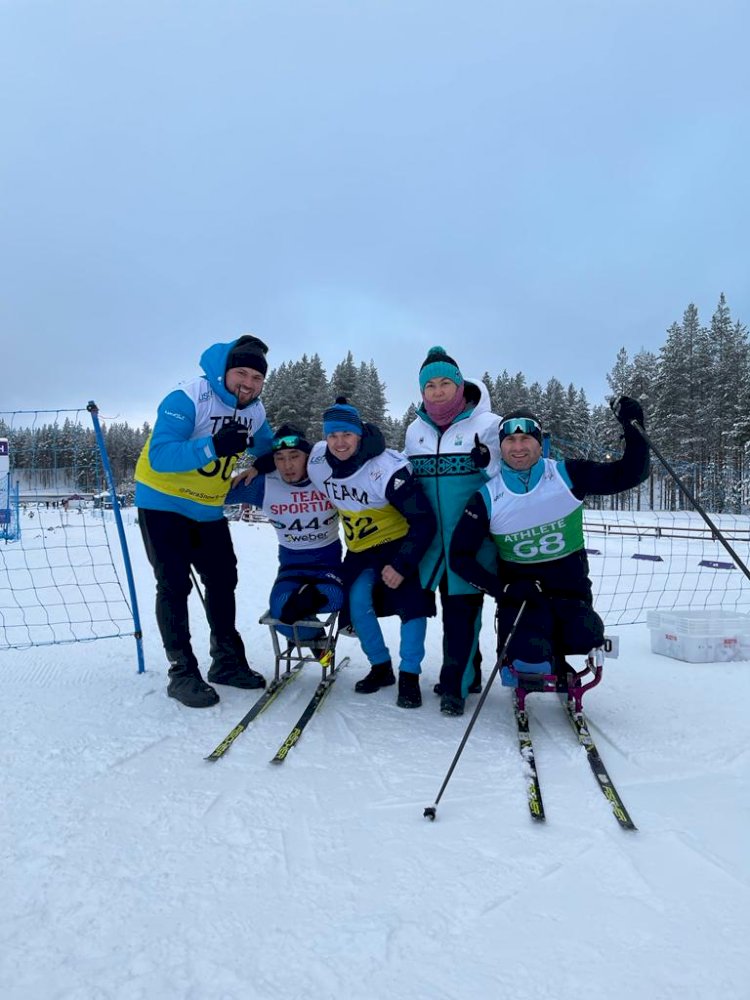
(519, 425)
(292, 441)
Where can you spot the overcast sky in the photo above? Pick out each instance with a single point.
(532, 185)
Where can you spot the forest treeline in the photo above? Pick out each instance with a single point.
(695, 390)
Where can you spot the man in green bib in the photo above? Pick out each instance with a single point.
(533, 511)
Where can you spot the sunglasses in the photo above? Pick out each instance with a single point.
(292, 441)
(519, 425)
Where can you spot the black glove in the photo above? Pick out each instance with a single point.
(479, 454)
(627, 410)
(264, 464)
(302, 604)
(230, 439)
(521, 590)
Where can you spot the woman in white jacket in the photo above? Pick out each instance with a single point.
(454, 448)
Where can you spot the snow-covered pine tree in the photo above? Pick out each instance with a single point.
(680, 388)
(316, 397)
(489, 384)
(393, 432)
(534, 400)
(729, 376)
(642, 384)
(577, 423)
(554, 412)
(370, 394)
(510, 392)
(619, 377)
(344, 380)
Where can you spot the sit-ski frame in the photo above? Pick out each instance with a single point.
(571, 685)
(297, 651)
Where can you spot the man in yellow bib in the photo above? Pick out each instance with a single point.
(182, 478)
(388, 525)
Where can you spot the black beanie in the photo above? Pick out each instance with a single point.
(288, 436)
(520, 414)
(248, 352)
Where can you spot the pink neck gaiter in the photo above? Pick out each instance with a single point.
(443, 414)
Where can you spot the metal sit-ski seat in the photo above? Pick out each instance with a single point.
(291, 654)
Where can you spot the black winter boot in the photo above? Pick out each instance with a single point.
(409, 695)
(237, 675)
(229, 664)
(189, 688)
(452, 704)
(474, 688)
(381, 675)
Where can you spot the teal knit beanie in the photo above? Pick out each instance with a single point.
(438, 364)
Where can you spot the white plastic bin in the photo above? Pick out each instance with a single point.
(712, 636)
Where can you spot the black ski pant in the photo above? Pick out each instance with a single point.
(174, 544)
(462, 622)
(549, 629)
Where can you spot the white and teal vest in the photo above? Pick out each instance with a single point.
(535, 527)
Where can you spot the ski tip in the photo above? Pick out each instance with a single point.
(430, 813)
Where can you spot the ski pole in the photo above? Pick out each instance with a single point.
(197, 586)
(686, 493)
(430, 811)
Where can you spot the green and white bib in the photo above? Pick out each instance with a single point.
(535, 527)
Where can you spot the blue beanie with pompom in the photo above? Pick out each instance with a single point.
(342, 417)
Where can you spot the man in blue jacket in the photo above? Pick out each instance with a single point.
(182, 478)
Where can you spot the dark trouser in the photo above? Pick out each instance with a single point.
(462, 621)
(174, 543)
(549, 629)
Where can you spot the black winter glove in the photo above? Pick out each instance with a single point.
(264, 464)
(479, 454)
(521, 590)
(627, 410)
(302, 604)
(230, 439)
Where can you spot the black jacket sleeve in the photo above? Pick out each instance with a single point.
(606, 478)
(468, 535)
(407, 496)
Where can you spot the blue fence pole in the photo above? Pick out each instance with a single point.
(94, 411)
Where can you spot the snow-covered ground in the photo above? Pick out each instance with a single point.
(132, 869)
